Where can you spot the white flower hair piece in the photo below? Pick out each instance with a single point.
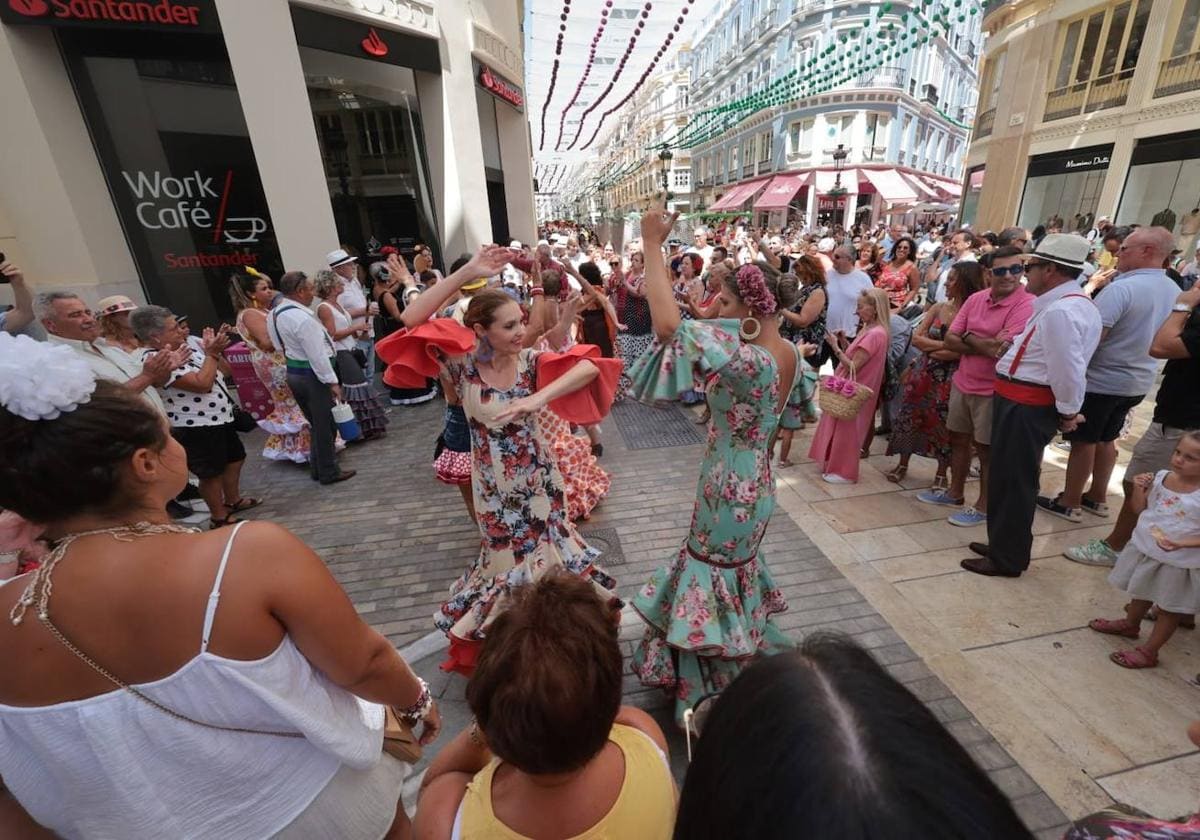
(39, 380)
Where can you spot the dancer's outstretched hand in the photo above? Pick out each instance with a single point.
(490, 260)
(522, 407)
(657, 222)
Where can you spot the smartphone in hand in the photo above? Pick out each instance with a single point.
(3, 277)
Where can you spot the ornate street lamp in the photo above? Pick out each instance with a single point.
(665, 156)
(838, 191)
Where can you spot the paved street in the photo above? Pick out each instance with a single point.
(396, 539)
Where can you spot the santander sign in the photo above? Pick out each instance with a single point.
(163, 12)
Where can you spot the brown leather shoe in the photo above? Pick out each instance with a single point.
(984, 566)
(342, 476)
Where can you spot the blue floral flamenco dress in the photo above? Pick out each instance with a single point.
(709, 609)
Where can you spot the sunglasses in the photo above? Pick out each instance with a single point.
(1014, 270)
(1032, 264)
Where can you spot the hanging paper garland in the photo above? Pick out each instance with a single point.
(616, 75)
(599, 34)
(562, 29)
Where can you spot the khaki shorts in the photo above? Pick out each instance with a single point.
(1153, 451)
(970, 414)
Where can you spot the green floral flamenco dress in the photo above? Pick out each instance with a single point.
(709, 610)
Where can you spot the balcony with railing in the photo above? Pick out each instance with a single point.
(985, 123)
(1178, 74)
(883, 77)
(1097, 94)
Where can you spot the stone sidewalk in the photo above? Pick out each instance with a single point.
(396, 539)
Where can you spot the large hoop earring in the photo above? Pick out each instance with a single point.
(745, 332)
(483, 349)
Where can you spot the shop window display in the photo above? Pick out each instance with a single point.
(167, 121)
(368, 124)
(1163, 187)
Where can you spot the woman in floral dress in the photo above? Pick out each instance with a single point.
(288, 436)
(919, 427)
(634, 338)
(708, 609)
(520, 503)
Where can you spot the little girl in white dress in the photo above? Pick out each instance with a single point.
(1161, 563)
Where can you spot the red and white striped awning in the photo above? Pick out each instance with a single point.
(738, 195)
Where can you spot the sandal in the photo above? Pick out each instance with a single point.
(895, 474)
(244, 503)
(1134, 658)
(1115, 627)
(214, 524)
(940, 482)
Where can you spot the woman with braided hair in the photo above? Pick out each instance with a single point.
(708, 609)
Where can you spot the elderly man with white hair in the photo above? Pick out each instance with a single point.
(1121, 372)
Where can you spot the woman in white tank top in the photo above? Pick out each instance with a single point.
(215, 684)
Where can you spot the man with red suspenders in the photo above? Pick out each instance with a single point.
(1040, 384)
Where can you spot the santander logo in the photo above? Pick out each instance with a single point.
(29, 8)
(374, 45)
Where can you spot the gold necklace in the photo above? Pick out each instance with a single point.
(40, 585)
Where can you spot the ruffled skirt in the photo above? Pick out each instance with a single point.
(706, 623)
(1172, 588)
(586, 482)
(484, 591)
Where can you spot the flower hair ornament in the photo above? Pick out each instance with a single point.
(752, 289)
(39, 380)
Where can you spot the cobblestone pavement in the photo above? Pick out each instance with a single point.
(396, 539)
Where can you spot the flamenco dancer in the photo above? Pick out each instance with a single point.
(519, 494)
(709, 608)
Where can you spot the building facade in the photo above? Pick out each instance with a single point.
(153, 148)
(1089, 109)
(903, 126)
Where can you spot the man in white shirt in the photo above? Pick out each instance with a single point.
(295, 330)
(354, 300)
(1040, 385)
(960, 249)
(1120, 374)
(69, 321)
(700, 246)
(843, 284)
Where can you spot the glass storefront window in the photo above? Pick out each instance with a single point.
(368, 124)
(1163, 188)
(1064, 187)
(165, 115)
(970, 199)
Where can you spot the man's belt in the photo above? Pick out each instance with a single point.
(1025, 393)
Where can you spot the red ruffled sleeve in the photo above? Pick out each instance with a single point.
(414, 355)
(590, 404)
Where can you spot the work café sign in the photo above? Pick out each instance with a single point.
(165, 15)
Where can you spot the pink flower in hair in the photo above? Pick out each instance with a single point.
(752, 289)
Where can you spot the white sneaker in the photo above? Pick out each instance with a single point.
(833, 478)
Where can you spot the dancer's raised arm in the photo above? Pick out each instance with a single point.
(664, 312)
(488, 261)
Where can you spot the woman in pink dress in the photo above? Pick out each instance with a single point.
(837, 443)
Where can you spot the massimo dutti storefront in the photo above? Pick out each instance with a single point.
(153, 148)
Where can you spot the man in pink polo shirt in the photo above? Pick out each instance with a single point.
(981, 333)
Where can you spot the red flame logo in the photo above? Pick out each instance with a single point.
(374, 45)
(29, 8)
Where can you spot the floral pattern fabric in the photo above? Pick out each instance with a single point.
(801, 405)
(919, 427)
(709, 608)
(288, 435)
(1122, 822)
(520, 504)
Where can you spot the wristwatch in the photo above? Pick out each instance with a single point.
(1181, 307)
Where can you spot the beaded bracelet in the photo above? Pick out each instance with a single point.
(420, 709)
(537, 290)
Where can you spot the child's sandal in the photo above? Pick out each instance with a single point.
(1115, 627)
(1135, 658)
